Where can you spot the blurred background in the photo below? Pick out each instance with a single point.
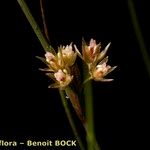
(121, 108)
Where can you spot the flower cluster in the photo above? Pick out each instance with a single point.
(59, 66)
(59, 63)
(96, 60)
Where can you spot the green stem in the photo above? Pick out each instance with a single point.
(91, 140)
(44, 21)
(64, 102)
(139, 35)
(34, 25)
(89, 114)
(88, 96)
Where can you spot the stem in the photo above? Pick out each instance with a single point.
(139, 35)
(89, 114)
(88, 96)
(44, 21)
(34, 25)
(64, 102)
(75, 103)
(91, 140)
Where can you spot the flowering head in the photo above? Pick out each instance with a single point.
(59, 64)
(64, 58)
(90, 51)
(62, 79)
(94, 58)
(101, 70)
(68, 55)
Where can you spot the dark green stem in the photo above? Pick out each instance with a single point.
(44, 21)
(139, 35)
(88, 96)
(68, 113)
(89, 128)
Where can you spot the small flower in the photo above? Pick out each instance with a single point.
(62, 79)
(69, 56)
(60, 76)
(49, 57)
(52, 62)
(59, 65)
(64, 58)
(101, 71)
(92, 53)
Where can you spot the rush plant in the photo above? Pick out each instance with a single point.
(61, 67)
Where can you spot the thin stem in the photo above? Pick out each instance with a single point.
(44, 21)
(89, 114)
(75, 103)
(91, 140)
(34, 25)
(64, 102)
(139, 35)
(88, 96)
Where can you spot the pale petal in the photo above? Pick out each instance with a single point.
(110, 70)
(59, 75)
(73, 59)
(79, 54)
(108, 45)
(92, 43)
(54, 85)
(107, 80)
(46, 69)
(103, 53)
(97, 48)
(105, 60)
(104, 80)
(49, 56)
(51, 75)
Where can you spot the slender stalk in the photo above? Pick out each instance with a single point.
(44, 21)
(34, 25)
(76, 105)
(89, 114)
(68, 113)
(91, 140)
(88, 96)
(139, 35)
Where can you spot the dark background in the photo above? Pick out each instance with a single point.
(121, 108)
